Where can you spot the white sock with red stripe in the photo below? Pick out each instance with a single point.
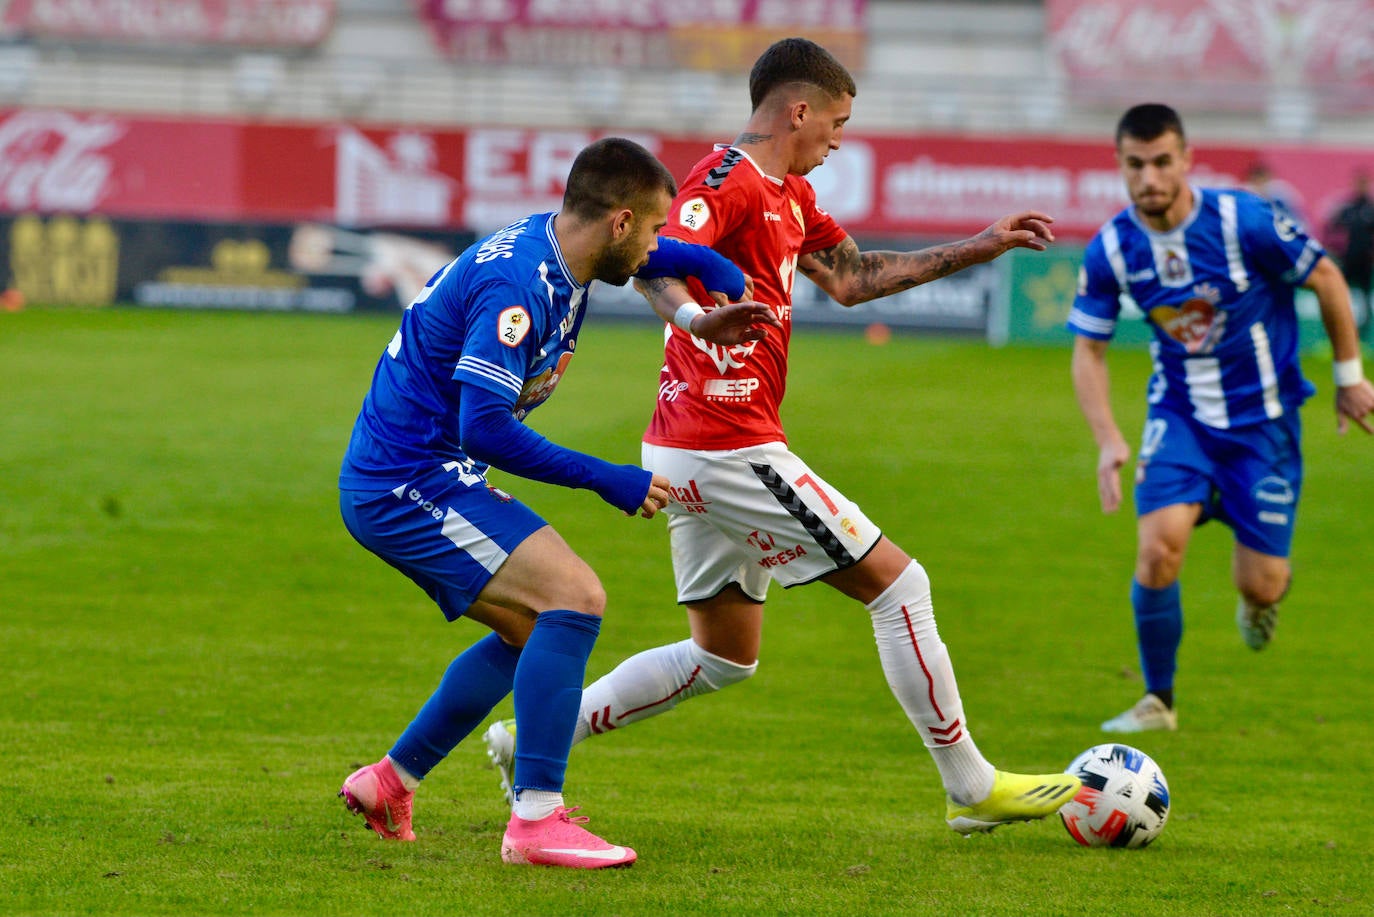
(921, 677)
(653, 682)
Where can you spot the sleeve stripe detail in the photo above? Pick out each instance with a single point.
(1091, 323)
(1310, 253)
(716, 177)
(498, 374)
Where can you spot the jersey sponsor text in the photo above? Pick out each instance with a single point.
(730, 389)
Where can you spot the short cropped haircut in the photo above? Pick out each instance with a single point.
(798, 60)
(613, 173)
(1148, 122)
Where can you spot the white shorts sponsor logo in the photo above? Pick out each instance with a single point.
(1273, 518)
(783, 557)
(1274, 490)
(761, 540)
(414, 496)
(730, 389)
(689, 497)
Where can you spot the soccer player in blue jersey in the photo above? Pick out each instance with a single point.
(483, 344)
(1214, 272)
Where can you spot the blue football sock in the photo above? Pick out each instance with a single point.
(548, 692)
(473, 683)
(1159, 630)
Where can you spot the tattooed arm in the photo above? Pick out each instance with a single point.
(851, 276)
(727, 324)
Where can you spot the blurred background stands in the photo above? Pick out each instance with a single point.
(975, 67)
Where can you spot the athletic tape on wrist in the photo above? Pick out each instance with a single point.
(1348, 372)
(684, 315)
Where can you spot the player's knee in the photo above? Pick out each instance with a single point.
(1262, 582)
(584, 593)
(1158, 564)
(1264, 592)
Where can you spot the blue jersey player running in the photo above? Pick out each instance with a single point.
(483, 344)
(1214, 273)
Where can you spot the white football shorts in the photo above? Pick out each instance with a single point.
(750, 515)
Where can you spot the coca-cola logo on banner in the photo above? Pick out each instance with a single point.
(54, 160)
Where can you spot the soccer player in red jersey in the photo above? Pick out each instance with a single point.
(746, 510)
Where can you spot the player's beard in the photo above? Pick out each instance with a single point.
(1159, 203)
(619, 262)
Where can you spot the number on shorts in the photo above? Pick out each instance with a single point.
(807, 481)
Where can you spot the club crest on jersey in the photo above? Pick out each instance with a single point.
(1173, 267)
(694, 213)
(512, 325)
(1285, 227)
(797, 212)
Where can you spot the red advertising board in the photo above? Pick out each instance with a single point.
(1231, 53)
(481, 178)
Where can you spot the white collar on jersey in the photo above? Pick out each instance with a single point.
(558, 252)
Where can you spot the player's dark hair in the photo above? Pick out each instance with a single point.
(798, 60)
(1149, 122)
(613, 173)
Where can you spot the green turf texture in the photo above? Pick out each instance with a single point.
(195, 653)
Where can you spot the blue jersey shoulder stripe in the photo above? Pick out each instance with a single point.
(487, 370)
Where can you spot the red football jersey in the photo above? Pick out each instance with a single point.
(712, 397)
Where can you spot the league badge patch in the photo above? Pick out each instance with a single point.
(512, 325)
(694, 214)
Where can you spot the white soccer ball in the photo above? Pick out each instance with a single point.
(1124, 800)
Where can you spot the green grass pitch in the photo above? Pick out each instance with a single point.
(195, 653)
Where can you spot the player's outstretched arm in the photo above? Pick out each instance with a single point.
(728, 324)
(1354, 394)
(490, 433)
(851, 276)
(1092, 388)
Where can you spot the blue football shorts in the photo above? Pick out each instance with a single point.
(449, 531)
(1249, 478)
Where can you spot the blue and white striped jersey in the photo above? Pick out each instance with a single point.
(1218, 293)
(503, 316)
